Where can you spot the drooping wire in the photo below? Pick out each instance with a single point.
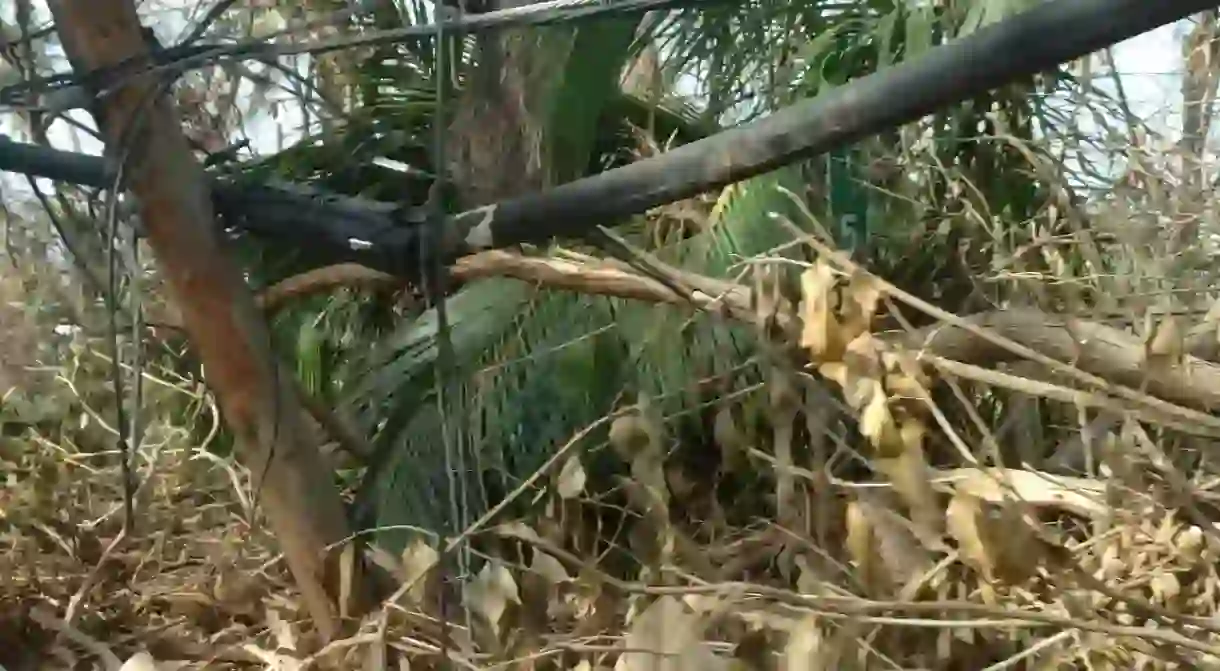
(435, 292)
(128, 431)
(116, 353)
(181, 58)
(135, 431)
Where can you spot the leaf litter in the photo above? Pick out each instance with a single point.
(970, 567)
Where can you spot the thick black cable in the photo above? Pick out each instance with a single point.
(378, 234)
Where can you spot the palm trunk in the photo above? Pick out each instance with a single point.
(497, 140)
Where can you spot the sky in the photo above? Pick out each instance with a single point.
(1151, 65)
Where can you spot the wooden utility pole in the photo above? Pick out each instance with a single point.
(259, 404)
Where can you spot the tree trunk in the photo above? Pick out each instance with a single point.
(496, 136)
(1200, 50)
(259, 404)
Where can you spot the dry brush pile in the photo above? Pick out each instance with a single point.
(1011, 489)
(942, 552)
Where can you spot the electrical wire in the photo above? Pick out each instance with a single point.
(62, 91)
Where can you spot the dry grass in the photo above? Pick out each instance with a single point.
(965, 568)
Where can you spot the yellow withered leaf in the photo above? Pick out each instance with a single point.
(963, 522)
(804, 649)
(418, 559)
(821, 333)
(835, 371)
(864, 294)
(863, 355)
(877, 423)
(863, 550)
(908, 472)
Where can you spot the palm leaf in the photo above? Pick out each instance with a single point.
(532, 368)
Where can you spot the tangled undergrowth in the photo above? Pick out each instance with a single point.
(944, 559)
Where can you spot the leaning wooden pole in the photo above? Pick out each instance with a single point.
(259, 404)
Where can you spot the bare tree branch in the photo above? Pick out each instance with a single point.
(258, 401)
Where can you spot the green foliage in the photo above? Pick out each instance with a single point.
(595, 56)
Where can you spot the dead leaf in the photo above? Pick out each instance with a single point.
(418, 558)
(1189, 543)
(1165, 587)
(906, 560)
(877, 423)
(632, 435)
(571, 480)
(549, 567)
(863, 356)
(285, 637)
(802, 653)
(519, 530)
(864, 292)
(963, 524)
(490, 593)
(347, 578)
(821, 333)
(667, 637)
(909, 473)
(996, 539)
(1080, 496)
(863, 550)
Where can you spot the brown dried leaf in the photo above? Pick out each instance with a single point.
(863, 356)
(1080, 496)
(668, 637)
(896, 542)
(857, 390)
(996, 539)
(909, 473)
(804, 649)
(571, 480)
(490, 593)
(632, 435)
(418, 558)
(1165, 587)
(549, 567)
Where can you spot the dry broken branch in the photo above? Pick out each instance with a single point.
(1094, 348)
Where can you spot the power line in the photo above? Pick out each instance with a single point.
(61, 92)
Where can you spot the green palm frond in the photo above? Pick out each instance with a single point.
(532, 367)
(552, 364)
